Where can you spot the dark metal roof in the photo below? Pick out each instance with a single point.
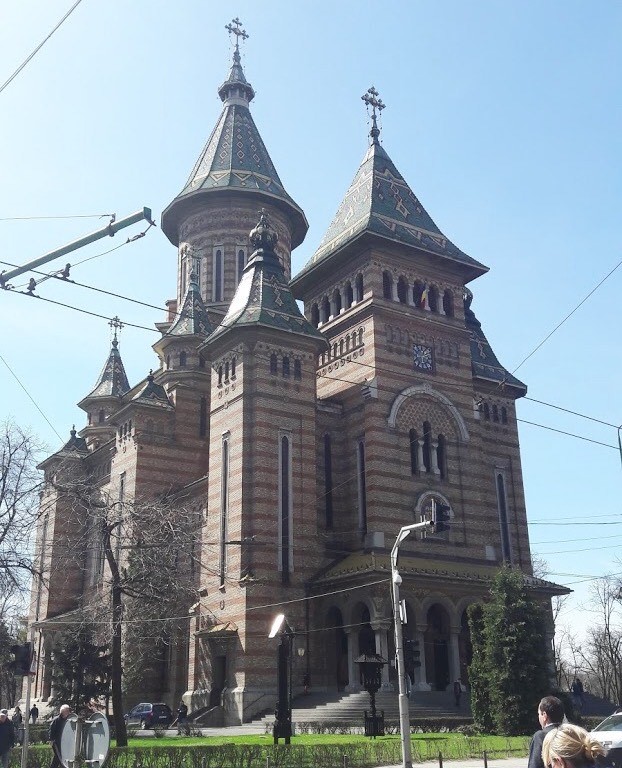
(484, 362)
(263, 296)
(152, 394)
(192, 319)
(234, 159)
(379, 201)
(112, 381)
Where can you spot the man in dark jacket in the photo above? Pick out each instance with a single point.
(550, 715)
(56, 730)
(7, 738)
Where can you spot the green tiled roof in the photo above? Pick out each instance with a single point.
(484, 362)
(263, 296)
(192, 319)
(112, 381)
(234, 159)
(379, 201)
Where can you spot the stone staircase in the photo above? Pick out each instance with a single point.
(345, 709)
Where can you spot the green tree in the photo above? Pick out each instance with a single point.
(81, 670)
(511, 656)
(478, 678)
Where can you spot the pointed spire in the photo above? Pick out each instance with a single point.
(263, 296)
(192, 319)
(380, 203)
(112, 381)
(234, 159)
(371, 98)
(236, 89)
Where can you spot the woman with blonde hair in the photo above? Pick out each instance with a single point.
(569, 746)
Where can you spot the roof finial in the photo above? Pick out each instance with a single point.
(235, 28)
(116, 325)
(372, 100)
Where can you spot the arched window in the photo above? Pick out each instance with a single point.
(486, 411)
(286, 366)
(183, 358)
(325, 310)
(503, 519)
(201, 361)
(360, 337)
(285, 508)
(224, 508)
(349, 295)
(495, 413)
(227, 371)
(441, 456)
(315, 315)
(353, 339)
(168, 362)
(340, 347)
(273, 364)
(203, 417)
(233, 367)
(362, 489)
(504, 415)
(414, 448)
(418, 294)
(129, 427)
(448, 303)
(102, 416)
(433, 298)
(347, 343)
(297, 369)
(402, 290)
(387, 285)
(358, 294)
(220, 375)
(218, 275)
(328, 482)
(241, 263)
(427, 446)
(337, 301)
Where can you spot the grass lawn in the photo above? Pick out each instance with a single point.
(424, 745)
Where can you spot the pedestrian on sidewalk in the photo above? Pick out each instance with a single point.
(550, 716)
(457, 691)
(7, 738)
(570, 746)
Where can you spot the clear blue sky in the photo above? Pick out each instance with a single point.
(504, 117)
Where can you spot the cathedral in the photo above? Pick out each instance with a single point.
(312, 416)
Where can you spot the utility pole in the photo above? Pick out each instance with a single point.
(109, 230)
(396, 580)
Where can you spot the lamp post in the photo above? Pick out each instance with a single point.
(370, 666)
(282, 728)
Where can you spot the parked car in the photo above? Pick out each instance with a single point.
(149, 715)
(609, 733)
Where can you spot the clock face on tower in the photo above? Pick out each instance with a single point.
(423, 359)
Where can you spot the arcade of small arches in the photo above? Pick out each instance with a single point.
(418, 294)
(347, 343)
(438, 624)
(342, 298)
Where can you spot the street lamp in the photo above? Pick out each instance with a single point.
(282, 728)
(370, 666)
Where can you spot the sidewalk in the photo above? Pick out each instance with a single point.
(508, 762)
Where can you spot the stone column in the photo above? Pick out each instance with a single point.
(353, 673)
(454, 656)
(420, 462)
(434, 458)
(394, 290)
(382, 648)
(421, 683)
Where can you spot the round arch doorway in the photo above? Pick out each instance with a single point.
(337, 650)
(436, 640)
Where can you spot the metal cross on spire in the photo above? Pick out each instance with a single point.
(371, 98)
(235, 28)
(116, 325)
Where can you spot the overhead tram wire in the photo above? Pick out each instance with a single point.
(72, 216)
(38, 48)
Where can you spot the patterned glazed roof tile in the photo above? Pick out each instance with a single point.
(112, 381)
(381, 202)
(152, 394)
(263, 296)
(192, 319)
(235, 159)
(484, 362)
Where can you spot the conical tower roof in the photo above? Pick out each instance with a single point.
(192, 319)
(380, 202)
(484, 362)
(112, 381)
(234, 159)
(263, 297)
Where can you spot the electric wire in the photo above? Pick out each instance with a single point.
(38, 48)
(72, 216)
(30, 397)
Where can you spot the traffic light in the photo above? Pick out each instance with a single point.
(440, 517)
(22, 658)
